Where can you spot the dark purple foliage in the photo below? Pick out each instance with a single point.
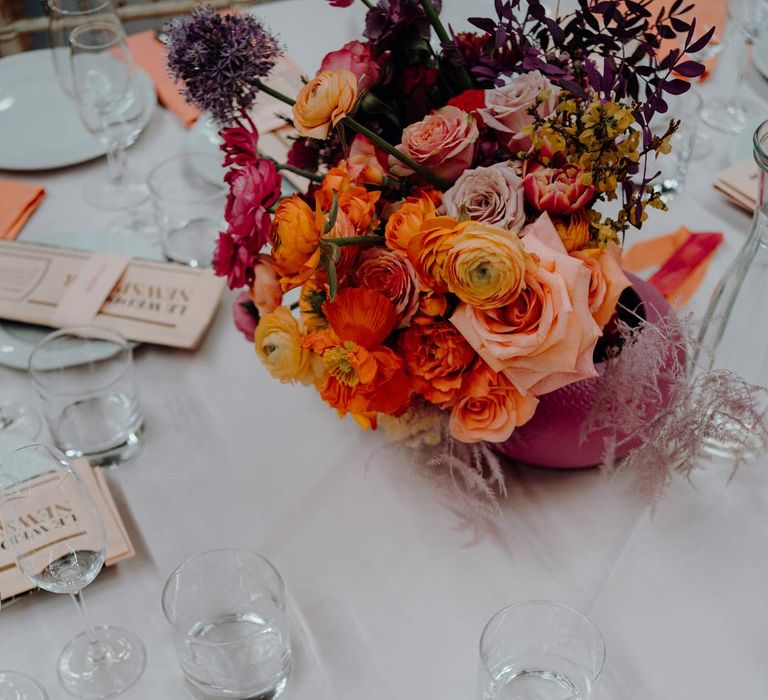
(389, 18)
(220, 59)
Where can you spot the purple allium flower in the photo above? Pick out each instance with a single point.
(220, 59)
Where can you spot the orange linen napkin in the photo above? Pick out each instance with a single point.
(684, 256)
(150, 54)
(18, 201)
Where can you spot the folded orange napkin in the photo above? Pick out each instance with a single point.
(18, 201)
(150, 54)
(684, 258)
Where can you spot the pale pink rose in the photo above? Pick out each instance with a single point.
(607, 281)
(493, 194)
(266, 292)
(506, 108)
(392, 274)
(545, 339)
(354, 56)
(443, 141)
(557, 190)
(365, 163)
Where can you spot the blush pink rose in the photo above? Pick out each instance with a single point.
(266, 292)
(607, 281)
(493, 195)
(545, 339)
(391, 274)
(443, 141)
(557, 191)
(354, 56)
(506, 108)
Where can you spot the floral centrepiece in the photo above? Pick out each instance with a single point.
(457, 254)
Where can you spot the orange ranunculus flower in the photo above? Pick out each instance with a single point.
(363, 376)
(486, 266)
(433, 305)
(404, 223)
(428, 249)
(324, 101)
(489, 407)
(607, 281)
(574, 230)
(355, 200)
(295, 238)
(437, 357)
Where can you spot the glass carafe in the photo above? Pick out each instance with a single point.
(734, 332)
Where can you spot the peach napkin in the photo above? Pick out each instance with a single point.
(684, 258)
(18, 201)
(150, 54)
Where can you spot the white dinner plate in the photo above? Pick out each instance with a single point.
(17, 340)
(40, 127)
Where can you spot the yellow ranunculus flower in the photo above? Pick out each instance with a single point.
(324, 101)
(485, 266)
(278, 345)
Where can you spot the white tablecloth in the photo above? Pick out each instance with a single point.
(389, 595)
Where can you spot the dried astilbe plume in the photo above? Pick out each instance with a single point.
(714, 407)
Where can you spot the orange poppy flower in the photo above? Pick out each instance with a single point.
(363, 376)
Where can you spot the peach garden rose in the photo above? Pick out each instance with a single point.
(545, 339)
(444, 142)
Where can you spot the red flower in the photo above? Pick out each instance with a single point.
(354, 56)
(240, 143)
(421, 77)
(340, 3)
(469, 100)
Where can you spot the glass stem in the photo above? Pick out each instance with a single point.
(116, 162)
(96, 651)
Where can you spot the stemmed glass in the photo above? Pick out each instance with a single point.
(748, 20)
(64, 558)
(111, 105)
(19, 420)
(19, 686)
(63, 17)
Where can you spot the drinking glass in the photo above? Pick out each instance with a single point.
(111, 106)
(541, 650)
(84, 377)
(19, 686)
(725, 109)
(63, 17)
(226, 611)
(64, 557)
(674, 166)
(188, 199)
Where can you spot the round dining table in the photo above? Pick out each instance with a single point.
(389, 588)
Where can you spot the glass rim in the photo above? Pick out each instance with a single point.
(207, 642)
(186, 155)
(544, 604)
(760, 146)
(116, 338)
(119, 33)
(53, 451)
(54, 7)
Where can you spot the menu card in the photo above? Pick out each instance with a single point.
(740, 184)
(149, 302)
(62, 517)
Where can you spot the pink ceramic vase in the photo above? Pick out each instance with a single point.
(552, 437)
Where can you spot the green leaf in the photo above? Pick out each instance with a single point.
(334, 212)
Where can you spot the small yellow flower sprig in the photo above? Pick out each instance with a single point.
(604, 140)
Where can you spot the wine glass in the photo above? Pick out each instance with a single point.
(729, 113)
(111, 105)
(63, 17)
(19, 421)
(64, 557)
